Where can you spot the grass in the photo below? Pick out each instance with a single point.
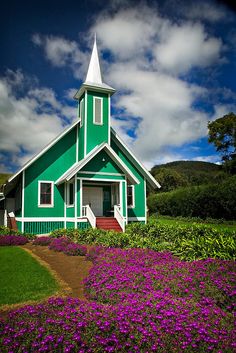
(172, 221)
(22, 278)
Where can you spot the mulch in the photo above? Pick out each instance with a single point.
(69, 271)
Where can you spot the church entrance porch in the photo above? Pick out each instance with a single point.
(101, 197)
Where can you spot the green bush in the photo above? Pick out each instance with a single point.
(205, 201)
(8, 231)
(189, 242)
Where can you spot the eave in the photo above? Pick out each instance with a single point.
(79, 165)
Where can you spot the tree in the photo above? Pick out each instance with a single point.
(170, 179)
(222, 133)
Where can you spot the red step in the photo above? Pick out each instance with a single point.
(108, 223)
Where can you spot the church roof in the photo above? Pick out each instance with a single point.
(79, 165)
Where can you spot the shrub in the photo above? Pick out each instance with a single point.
(13, 240)
(75, 250)
(42, 240)
(59, 244)
(8, 231)
(189, 242)
(205, 201)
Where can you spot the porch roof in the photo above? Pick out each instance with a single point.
(79, 165)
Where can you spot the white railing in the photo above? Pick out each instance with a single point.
(88, 213)
(5, 218)
(118, 216)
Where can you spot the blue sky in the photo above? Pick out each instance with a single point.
(172, 62)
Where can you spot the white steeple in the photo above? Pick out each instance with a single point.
(94, 78)
(94, 71)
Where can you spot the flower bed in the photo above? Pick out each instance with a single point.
(7, 240)
(42, 241)
(143, 301)
(65, 245)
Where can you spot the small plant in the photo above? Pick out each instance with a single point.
(42, 241)
(59, 244)
(7, 240)
(75, 250)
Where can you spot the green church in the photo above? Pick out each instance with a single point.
(86, 177)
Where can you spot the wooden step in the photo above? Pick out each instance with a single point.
(108, 223)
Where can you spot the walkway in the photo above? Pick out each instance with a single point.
(71, 269)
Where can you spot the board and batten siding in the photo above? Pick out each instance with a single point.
(50, 166)
(139, 210)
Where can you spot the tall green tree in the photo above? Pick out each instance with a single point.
(222, 133)
(170, 179)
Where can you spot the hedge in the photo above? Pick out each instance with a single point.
(205, 201)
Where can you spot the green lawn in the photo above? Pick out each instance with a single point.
(173, 221)
(22, 278)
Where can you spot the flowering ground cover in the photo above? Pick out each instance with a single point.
(22, 278)
(140, 301)
(44, 241)
(65, 245)
(6, 240)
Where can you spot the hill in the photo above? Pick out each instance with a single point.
(3, 179)
(189, 173)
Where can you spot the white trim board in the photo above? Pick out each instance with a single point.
(45, 149)
(139, 165)
(102, 173)
(136, 218)
(51, 219)
(51, 205)
(78, 166)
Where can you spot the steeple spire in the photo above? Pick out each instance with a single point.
(94, 72)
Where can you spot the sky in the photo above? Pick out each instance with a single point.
(173, 64)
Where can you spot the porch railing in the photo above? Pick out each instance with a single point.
(88, 213)
(118, 216)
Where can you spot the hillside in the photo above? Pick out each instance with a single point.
(191, 172)
(3, 179)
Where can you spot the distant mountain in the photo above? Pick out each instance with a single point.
(192, 172)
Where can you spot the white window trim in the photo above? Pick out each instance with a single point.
(101, 99)
(133, 196)
(81, 113)
(39, 189)
(68, 194)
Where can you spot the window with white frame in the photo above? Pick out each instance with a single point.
(97, 111)
(130, 196)
(45, 193)
(81, 113)
(70, 194)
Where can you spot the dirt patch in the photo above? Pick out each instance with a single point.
(71, 269)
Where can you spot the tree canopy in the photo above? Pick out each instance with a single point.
(222, 133)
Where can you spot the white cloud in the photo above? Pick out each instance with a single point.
(186, 46)
(211, 159)
(61, 52)
(151, 58)
(149, 53)
(28, 122)
(203, 10)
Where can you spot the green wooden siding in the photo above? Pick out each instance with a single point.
(50, 166)
(83, 225)
(101, 176)
(103, 163)
(81, 132)
(96, 134)
(70, 225)
(42, 227)
(139, 189)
